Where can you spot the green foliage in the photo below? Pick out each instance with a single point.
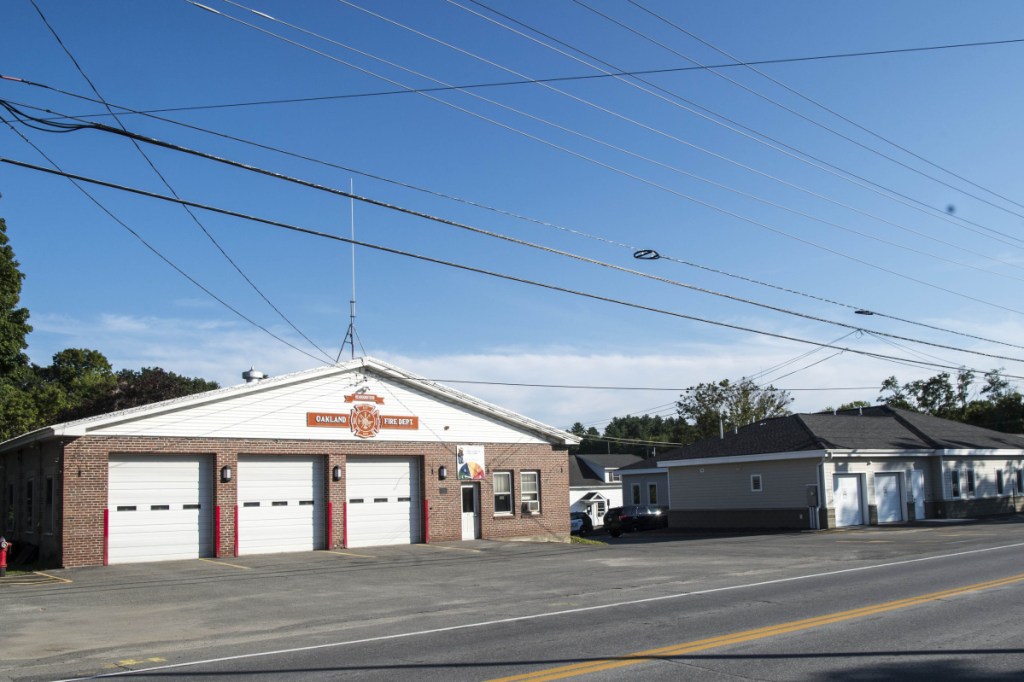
(131, 388)
(14, 327)
(935, 395)
(709, 407)
(650, 430)
(1000, 406)
(79, 383)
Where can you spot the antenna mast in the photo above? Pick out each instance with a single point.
(350, 335)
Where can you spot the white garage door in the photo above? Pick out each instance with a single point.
(846, 495)
(160, 507)
(383, 501)
(887, 497)
(280, 504)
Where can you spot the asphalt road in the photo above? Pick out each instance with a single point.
(936, 601)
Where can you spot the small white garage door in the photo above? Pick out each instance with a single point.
(280, 504)
(383, 501)
(160, 507)
(887, 497)
(847, 500)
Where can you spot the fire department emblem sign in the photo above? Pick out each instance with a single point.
(365, 420)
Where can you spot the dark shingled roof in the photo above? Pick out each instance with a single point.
(582, 468)
(877, 428)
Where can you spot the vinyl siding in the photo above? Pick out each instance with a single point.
(727, 486)
(281, 413)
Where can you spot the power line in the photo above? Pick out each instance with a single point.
(580, 77)
(647, 159)
(790, 110)
(830, 110)
(167, 184)
(744, 131)
(521, 242)
(152, 248)
(469, 268)
(672, 168)
(576, 232)
(553, 145)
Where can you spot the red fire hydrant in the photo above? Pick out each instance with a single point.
(4, 546)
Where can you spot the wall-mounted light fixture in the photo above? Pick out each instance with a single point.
(336, 473)
(442, 472)
(225, 474)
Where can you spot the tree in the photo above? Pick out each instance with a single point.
(84, 375)
(14, 327)
(935, 395)
(647, 429)
(79, 383)
(708, 407)
(132, 388)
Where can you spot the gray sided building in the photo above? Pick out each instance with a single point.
(872, 466)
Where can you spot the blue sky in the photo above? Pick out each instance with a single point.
(603, 167)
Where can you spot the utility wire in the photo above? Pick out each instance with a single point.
(828, 109)
(74, 181)
(691, 198)
(632, 248)
(167, 184)
(469, 268)
(744, 131)
(580, 77)
(647, 159)
(514, 240)
(468, 202)
(794, 112)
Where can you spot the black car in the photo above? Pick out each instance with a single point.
(634, 517)
(580, 523)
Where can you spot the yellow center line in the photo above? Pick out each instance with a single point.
(361, 556)
(218, 562)
(750, 635)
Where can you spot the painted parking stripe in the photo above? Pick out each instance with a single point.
(602, 665)
(361, 556)
(449, 547)
(218, 562)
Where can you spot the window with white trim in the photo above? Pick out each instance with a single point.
(652, 493)
(1020, 481)
(970, 481)
(503, 492)
(634, 490)
(529, 491)
(954, 482)
(614, 476)
(756, 484)
(999, 482)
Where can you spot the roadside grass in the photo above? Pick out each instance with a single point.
(577, 540)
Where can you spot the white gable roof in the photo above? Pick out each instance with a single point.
(280, 407)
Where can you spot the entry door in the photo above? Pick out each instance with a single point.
(917, 484)
(887, 497)
(470, 511)
(846, 495)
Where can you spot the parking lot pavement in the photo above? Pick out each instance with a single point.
(90, 619)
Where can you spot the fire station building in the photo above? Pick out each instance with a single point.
(352, 455)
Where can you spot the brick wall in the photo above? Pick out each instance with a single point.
(84, 490)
